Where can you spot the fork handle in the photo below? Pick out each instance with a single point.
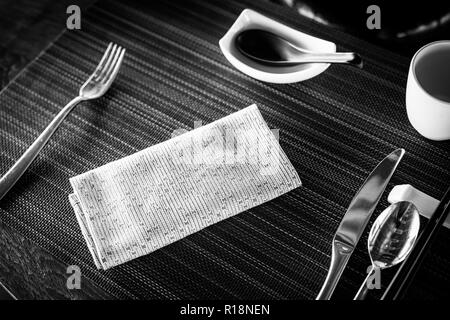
(15, 172)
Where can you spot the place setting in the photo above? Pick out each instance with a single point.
(209, 150)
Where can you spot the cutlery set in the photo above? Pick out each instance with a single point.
(390, 234)
(393, 235)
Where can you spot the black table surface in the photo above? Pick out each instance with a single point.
(32, 270)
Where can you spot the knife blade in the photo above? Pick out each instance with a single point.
(356, 218)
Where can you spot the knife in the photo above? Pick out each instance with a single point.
(356, 218)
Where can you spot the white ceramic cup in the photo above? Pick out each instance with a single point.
(428, 91)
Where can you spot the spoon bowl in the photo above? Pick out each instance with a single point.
(391, 238)
(393, 234)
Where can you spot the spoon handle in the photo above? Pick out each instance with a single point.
(362, 292)
(337, 57)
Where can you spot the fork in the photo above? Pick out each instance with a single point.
(95, 86)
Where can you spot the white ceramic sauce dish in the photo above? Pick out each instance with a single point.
(250, 19)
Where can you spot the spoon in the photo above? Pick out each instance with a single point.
(391, 238)
(270, 49)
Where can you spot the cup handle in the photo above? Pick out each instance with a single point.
(424, 203)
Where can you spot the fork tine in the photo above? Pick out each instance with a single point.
(107, 63)
(112, 64)
(113, 74)
(100, 81)
(105, 55)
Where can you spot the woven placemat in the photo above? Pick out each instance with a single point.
(334, 128)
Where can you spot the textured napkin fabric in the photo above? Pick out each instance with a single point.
(133, 206)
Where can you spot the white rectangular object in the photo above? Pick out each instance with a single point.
(138, 204)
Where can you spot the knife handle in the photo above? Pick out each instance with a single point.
(339, 257)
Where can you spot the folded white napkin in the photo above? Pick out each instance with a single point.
(138, 204)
